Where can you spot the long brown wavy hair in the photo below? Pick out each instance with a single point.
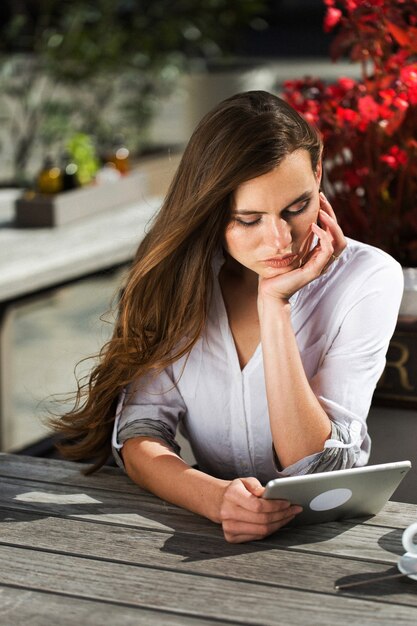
(164, 302)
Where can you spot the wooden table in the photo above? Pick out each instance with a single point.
(97, 550)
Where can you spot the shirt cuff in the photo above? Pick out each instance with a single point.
(142, 428)
(341, 451)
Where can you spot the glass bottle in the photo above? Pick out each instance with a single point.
(119, 155)
(49, 179)
(69, 170)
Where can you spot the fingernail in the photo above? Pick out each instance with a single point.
(297, 509)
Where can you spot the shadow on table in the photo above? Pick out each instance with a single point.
(285, 538)
(373, 584)
(386, 583)
(193, 537)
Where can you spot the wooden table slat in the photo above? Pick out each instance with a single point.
(100, 541)
(258, 562)
(149, 588)
(61, 473)
(21, 607)
(99, 505)
(176, 549)
(64, 473)
(150, 512)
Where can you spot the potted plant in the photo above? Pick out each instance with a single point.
(369, 125)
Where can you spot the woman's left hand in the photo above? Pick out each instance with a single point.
(313, 263)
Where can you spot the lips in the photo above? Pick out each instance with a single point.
(280, 261)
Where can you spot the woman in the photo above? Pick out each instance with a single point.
(249, 321)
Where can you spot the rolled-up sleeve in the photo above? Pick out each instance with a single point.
(350, 369)
(150, 407)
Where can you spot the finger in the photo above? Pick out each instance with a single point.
(309, 251)
(331, 223)
(324, 248)
(253, 485)
(329, 220)
(238, 538)
(255, 531)
(339, 241)
(305, 249)
(323, 253)
(239, 495)
(326, 206)
(235, 504)
(240, 515)
(242, 531)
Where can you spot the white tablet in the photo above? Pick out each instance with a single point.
(329, 496)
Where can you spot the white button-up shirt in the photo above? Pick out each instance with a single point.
(342, 321)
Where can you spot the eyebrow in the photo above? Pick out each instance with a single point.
(304, 196)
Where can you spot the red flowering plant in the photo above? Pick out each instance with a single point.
(369, 126)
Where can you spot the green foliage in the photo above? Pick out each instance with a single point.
(106, 53)
(78, 38)
(83, 152)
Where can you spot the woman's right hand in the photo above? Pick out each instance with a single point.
(246, 516)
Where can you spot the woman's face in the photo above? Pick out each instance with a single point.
(272, 214)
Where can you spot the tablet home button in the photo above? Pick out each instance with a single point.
(330, 499)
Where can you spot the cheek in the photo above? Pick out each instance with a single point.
(228, 239)
(237, 241)
(242, 244)
(304, 226)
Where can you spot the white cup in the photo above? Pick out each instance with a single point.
(408, 536)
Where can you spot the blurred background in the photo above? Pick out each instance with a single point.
(119, 71)
(91, 91)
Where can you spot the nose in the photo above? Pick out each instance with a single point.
(278, 235)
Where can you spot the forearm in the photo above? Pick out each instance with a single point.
(299, 424)
(156, 468)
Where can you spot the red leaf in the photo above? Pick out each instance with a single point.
(413, 38)
(399, 34)
(341, 43)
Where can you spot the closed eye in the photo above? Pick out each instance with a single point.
(301, 208)
(251, 223)
(286, 214)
